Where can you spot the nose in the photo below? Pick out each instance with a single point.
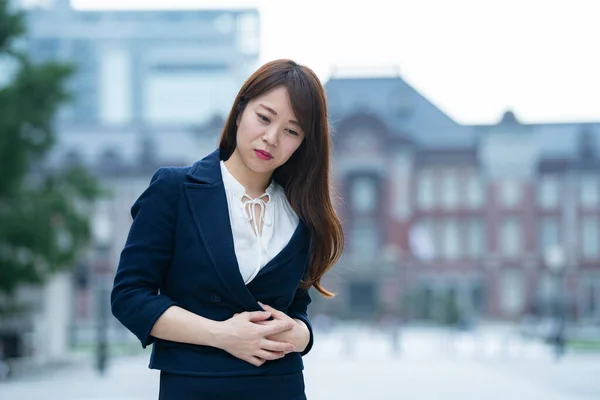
(271, 136)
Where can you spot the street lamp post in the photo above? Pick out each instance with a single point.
(102, 234)
(556, 263)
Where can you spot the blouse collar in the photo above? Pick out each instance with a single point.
(234, 186)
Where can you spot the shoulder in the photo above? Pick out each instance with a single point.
(169, 177)
(164, 187)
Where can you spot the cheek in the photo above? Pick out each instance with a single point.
(289, 148)
(245, 129)
(251, 128)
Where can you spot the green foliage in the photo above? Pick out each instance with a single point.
(11, 26)
(43, 212)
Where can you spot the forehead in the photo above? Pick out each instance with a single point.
(278, 99)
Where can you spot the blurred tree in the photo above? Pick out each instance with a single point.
(43, 211)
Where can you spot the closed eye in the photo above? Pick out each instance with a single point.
(293, 132)
(262, 118)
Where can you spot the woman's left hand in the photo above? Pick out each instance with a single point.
(299, 335)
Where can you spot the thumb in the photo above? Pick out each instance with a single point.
(256, 316)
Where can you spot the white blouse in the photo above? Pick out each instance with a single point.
(254, 250)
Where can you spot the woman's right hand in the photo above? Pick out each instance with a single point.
(241, 337)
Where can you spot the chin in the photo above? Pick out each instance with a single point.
(259, 166)
(263, 169)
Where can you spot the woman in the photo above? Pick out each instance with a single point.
(221, 254)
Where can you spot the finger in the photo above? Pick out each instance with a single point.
(276, 327)
(277, 314)
(270, 309)
(273, 345)
(269, 355)
(257, 362)
(256, 316)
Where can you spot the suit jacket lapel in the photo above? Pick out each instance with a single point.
(208, 205)
(298, 242)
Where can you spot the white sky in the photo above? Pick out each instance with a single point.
(472, 58)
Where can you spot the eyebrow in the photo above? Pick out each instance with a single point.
(275, 113)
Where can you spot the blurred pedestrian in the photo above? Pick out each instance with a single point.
(4, 367)
(557, 337)
(391, 324)
(221, 254)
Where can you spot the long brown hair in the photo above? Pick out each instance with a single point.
(306, 175)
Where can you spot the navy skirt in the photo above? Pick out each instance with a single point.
(272, 387)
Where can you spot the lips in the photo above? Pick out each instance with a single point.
(264, 155)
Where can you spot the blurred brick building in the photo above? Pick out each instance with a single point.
(502, 219)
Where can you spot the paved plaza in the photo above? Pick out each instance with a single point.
(362, 365)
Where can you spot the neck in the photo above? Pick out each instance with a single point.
(255, 183)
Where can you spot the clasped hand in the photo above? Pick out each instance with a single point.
(251, 337)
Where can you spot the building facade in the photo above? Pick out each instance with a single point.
(497, 221)
(169, 67)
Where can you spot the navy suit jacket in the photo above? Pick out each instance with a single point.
(180, 251)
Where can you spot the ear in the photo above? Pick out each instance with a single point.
(238, 119)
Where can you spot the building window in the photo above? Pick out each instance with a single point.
(589, 191)
(190, 98)
(510, 237)
(364, 194)
(425, 189)
(510, 193)
(548, 233)
(422, 240)
(362, 139)
(364, 237)
(450, 190)
(590, 238)
(451, 248)
(248, 34)
(474, 192)
(512, 292)
(224, 23)
(548, 192)
(476, 238)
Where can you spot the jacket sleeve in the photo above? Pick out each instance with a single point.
(298, 309)
(135, 298)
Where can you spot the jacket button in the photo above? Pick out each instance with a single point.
(215, 297)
